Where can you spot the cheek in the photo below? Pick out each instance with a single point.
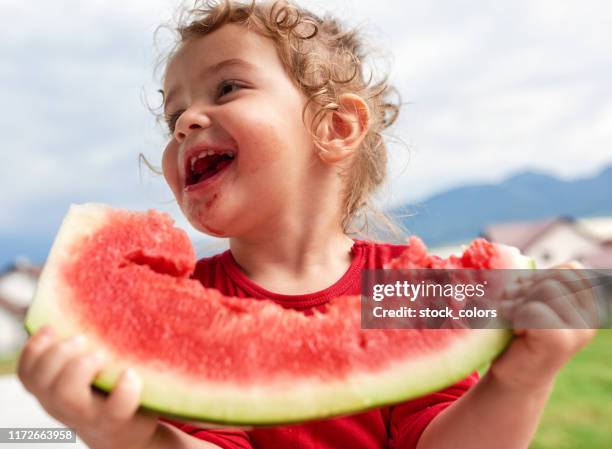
(273, 140)
(170, 167)
(267, 145)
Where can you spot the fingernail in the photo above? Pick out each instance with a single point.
(512, 291)
(46, 332)
(77, 340)
(132, 377)
(98, 357)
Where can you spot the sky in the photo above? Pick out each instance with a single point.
(489, 89)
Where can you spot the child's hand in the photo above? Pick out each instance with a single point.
(60, 373)
(554, 317)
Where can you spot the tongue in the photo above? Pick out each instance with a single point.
(224, 163)
(209, 166)
(205, 164)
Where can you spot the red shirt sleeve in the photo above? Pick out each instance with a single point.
(224, 438)
(409, 419)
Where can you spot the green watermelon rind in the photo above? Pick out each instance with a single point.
(397, 388)
(513, 259)
(406, 390)
(175, 395)
(407, 382)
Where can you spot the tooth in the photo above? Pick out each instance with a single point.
(209, 152)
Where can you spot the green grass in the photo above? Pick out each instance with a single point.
(8, 364)
(579, 413)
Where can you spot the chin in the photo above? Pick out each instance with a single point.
(213, 231)
(210, 227)
(201, 220)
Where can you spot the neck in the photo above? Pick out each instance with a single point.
(301, 248)
(295, 258)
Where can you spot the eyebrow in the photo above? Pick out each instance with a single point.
(210, 71)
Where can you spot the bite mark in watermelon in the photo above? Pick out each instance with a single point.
(123, 279)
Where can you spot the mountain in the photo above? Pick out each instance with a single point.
(462, 213)
(33, 247)
(455, 215)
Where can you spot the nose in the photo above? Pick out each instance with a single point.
(190, 120)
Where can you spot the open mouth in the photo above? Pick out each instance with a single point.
(207, 164)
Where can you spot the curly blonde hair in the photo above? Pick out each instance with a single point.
(324, 61)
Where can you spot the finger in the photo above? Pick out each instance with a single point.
(72, 387)
(49, 364)
(519, 285)
(508, 308)
(535, 315)
(562, 290)
(36, 345)
(556, 295)
(584, 336)
(124, 400)
(575, 279)
(557, 341)
(572, 264)
(527, 278)
(512, 290)
(567, 311)
(583, 298)
(216, 426)
(586, 299)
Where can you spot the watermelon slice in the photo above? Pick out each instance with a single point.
(123, 279)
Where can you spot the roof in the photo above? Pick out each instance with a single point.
(521, 234)
(17, 286)
(599, 227)
(13, 309)
(23, 266)
(601, 258)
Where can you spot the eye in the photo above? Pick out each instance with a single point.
(227, 87)
(171, 120)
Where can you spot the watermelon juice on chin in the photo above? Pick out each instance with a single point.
(123, 279)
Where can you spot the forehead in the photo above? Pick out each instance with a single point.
(231, 41)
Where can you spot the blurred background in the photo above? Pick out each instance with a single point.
(506, 132)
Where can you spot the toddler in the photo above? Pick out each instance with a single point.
(275, 143)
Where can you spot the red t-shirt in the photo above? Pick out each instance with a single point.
(398, 426)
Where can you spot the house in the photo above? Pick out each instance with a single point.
(557, 240)
(17, 285)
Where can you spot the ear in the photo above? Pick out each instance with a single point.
(344, 129)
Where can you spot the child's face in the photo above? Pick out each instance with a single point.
(250, 108)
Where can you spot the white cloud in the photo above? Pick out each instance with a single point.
(527, 90)
(493, 88)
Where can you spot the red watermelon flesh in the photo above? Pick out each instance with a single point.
(480, 254)
(123, 279)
